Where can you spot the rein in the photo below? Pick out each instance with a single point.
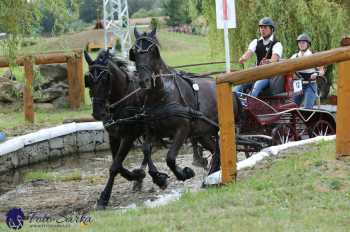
(114, 105)
(163, 112)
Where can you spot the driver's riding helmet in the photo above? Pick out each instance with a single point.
(304, 37)
(267, 21)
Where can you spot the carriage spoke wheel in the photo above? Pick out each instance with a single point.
(322, 128)
(248, 151)
(282, 134)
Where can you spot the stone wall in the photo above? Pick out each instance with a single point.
(43, 145)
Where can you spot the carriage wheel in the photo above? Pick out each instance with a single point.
(263, 140)
(322, 128)
(248, 152)
(282, 134)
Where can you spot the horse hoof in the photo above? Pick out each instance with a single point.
(160, 179)
(188, 173)
(137, 186)
(164, 184)
(139, 174)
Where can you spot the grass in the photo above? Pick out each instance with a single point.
(303, 192)
(52, 176)
(12, 118)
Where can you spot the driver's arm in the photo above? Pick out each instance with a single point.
(246, 56)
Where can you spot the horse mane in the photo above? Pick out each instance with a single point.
(119, 62)
(104, 58)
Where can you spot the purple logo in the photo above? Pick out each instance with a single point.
(15, 218)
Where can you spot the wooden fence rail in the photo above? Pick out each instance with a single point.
(74, 60)
(226, 117)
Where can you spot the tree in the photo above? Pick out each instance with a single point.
(135, 5)
(58, 15)
(195, 8)
(17, 18)
(88, 10)
(177, 11)
(323, 20)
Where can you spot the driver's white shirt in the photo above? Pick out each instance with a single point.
(276, 49)
(300, 54)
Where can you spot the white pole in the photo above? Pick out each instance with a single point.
(105, 24)
(227, 48)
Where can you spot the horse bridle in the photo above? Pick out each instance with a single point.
(104, 70)
(139, 49)
(102, 100)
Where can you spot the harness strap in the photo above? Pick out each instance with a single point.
(191, 83)
(163, 112)
(124, 98)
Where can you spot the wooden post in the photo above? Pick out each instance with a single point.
(73, 82)
(227, 132)
(80, 75)
(343, 108)
(28, 102)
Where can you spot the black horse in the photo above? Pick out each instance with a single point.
(109, 81)
(179, 107)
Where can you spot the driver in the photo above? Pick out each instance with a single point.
(267, 49)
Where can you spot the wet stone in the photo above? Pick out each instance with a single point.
(23, 158)
(5, 163)
(85, 141)
(70, 144)
(14, 159)
(37, 152)
(104, 143)
(54, 153)
(56, 143)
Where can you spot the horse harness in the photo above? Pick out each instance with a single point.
(118, 109)
(150, 115)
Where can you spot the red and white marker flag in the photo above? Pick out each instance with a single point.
(226, 18)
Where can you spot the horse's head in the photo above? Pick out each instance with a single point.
(98, 82)
(145, 54)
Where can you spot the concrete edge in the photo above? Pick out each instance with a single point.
(51, 143)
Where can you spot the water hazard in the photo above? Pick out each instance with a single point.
(74, 183)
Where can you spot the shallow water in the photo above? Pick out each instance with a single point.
(61, 195)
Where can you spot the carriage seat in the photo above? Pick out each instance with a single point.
(280, 93)
(280, 87)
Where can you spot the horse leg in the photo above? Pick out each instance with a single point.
(102, 202)
(213, 147)
(179, 139)
(146, 150)
(114, 141)
(198, 159)
(159, 178)
(117, 167)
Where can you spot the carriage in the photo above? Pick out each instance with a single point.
(276, 119)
